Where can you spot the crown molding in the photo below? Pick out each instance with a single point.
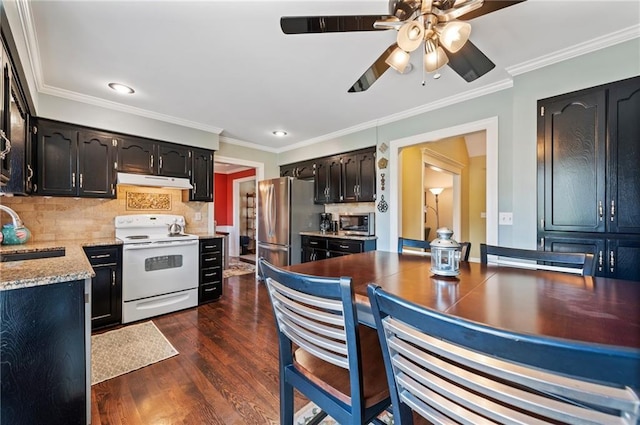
(31, 41)
(250, 145)
(585, 47)
(91, 100)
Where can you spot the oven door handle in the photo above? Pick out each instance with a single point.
(151, 245)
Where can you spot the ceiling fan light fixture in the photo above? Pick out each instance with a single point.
(410, 36)
(453, 35)
(398, 59)
(435, 57)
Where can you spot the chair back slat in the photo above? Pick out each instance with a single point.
(446, 367)
(306, 324)
(420, 247)
(567, 262)
(423, 247)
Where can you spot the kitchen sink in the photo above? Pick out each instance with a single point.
(32, 255)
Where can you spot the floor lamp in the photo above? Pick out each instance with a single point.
(436, 191)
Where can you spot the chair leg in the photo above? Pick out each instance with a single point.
(286, 403)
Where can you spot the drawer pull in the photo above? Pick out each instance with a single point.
(313, 243)
(101, 256)
(210, 246)
(210, 289)
(209, 274)
(210, 259)
(344, 246)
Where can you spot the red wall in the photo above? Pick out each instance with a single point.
(223, 196)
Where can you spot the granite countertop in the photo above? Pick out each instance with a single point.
(339, 236)
(206, 235)
(74, 265)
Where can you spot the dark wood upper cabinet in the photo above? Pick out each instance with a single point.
(327, 183)
(348, 177)
(137, 156)
(57, 157)
(5, 147)
(174, 160)
(96, 152)
(589, 175)
(624, 158)
(359, 177)
(574, 173)
(143, 156)
(201, 175)
(72, 162)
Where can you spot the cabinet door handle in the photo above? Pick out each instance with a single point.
(151, 162)
(160, 162)
(195, 187)
(612, 261)
(7, 145)
(613, 209)
(600, 260)
(80, 180)
(113, 278)
(542, 243)
(73, 179)
(30, 176)
(600, 210)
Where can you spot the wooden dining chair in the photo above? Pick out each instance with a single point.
(450, 370)
(420, 246)
(568, 262)
(424, 247)
(336, 363)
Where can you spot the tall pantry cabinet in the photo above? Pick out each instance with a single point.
(589, 175)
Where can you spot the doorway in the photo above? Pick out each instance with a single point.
(484, 211)
(231, 201)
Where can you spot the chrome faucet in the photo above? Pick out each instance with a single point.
(14, 216)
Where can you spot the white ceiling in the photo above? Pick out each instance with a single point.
(225, 66)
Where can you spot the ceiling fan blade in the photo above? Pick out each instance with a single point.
(469, 62)
(320, 24)
(374, 72)
(488, 7)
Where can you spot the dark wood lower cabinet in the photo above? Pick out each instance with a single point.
(106, 286)
(319, 247)
(615, 257)
(211, 267)
(43, 352)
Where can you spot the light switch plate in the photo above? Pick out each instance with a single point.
(198, 216)
(505, 219)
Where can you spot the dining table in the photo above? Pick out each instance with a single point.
(586, 309)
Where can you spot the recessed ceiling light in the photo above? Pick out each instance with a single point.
(279, 133)
(121, 88)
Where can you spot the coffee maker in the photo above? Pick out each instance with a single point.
(325, 222)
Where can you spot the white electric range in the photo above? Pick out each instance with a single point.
(159, 271)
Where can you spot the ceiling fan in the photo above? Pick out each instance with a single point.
(432, 24)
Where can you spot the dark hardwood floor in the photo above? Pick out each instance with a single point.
(226, 372)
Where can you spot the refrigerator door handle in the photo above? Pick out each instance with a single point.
(274, 247)
(272, 209)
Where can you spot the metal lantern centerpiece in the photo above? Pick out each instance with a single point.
(445, 254)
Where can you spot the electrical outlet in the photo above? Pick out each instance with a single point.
(198, 216)
(505, 219)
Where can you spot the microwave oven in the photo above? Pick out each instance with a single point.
(359, 224)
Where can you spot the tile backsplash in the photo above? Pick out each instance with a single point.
(62, 218)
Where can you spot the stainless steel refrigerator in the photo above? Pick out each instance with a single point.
(285, 208)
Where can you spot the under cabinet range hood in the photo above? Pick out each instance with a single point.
(155, 181)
